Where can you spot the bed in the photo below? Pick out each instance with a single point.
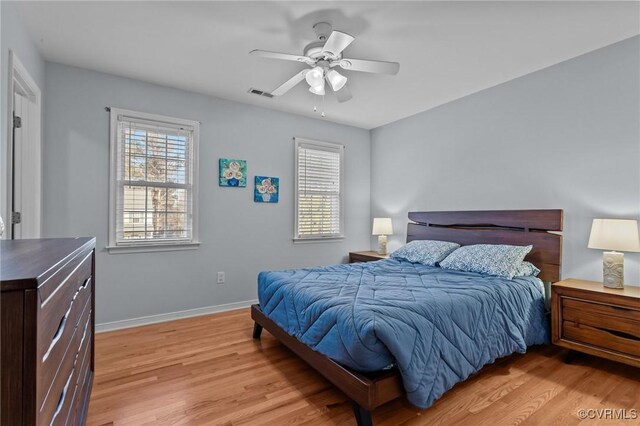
(387, 329)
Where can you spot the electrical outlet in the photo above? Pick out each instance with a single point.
(220, 277)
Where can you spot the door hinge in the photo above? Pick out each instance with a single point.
(17, 122)
(16, 217)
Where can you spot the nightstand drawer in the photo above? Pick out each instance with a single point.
(612, 317)
(590, 318)
(601, 337)
(605, 326)
(365, 256)
(353, 258)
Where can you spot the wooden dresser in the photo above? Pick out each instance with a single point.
(590, 318)
(47, 330)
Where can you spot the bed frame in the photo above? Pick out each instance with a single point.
(540, 228)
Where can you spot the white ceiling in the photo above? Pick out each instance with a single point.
(446, 50)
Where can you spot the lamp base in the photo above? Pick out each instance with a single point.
(613, 269)
(382, 244)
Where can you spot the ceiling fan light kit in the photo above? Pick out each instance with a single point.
(336, 80)
(315, 77)
(322, 56)
(317, 90)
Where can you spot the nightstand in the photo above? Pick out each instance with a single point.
(366, 256)
(590, 318)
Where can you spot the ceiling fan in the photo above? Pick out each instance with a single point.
(323, 56)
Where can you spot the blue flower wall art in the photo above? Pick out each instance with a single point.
(267, 189)
(233, 172)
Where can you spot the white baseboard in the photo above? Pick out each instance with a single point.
(153, 319)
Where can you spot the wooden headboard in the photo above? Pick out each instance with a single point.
(516, 227)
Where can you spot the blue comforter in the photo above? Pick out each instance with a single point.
(437, 326)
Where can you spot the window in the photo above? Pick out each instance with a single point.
(153, 185)
(319, 193)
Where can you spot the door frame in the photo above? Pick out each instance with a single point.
(20, 79)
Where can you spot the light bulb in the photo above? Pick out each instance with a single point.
(315, 77)
(318, 89)
(336, 80)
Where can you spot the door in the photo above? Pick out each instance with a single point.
(20, 134)
(24, 189)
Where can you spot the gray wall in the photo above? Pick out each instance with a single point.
(14, 37)
(238, 236)
(565, 137)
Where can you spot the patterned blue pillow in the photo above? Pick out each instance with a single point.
(491, 259)
(527, 269)
(427, 252)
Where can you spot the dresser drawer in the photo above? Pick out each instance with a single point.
(78, 412)
(64, 402)
(84, 357)
(59, 277)
(55, 314)
(83, 380)
(53, 402)
(50, 361)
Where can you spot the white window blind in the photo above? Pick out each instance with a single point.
(153, 187)
(319, 175)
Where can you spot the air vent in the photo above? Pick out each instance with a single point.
(260, 93)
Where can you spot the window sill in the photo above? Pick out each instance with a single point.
(144, 248)
(318, 240)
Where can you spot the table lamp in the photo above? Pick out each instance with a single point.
(382, 227)
(614, 234)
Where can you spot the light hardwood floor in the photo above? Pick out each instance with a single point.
(209, 371)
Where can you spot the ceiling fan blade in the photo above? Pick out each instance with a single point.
(337, 42)
(287, 85)
(377, 67)
(344, 94)
(278, 55)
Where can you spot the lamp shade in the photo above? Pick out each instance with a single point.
(319, 90)
(336, 80)
(615, 234)
(315, 77)
(382, 226)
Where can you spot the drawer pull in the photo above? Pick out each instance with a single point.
(620, 334)
(85, 284)
(63, 321)
(63, 394)
(84, 333)
(58, 335)
(619, 308)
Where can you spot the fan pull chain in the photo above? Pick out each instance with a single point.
(322, 115)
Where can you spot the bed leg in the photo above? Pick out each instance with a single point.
(570, 356)
(257, 330)
(363, 416)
